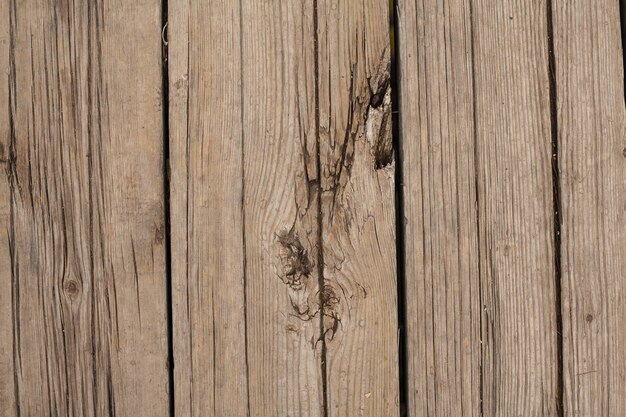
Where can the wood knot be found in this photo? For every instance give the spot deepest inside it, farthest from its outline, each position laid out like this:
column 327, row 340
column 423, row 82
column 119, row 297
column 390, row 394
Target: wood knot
column 71, row 288
column 159, row 234
column 294, row 260
column 624, row 152
column 589, row 318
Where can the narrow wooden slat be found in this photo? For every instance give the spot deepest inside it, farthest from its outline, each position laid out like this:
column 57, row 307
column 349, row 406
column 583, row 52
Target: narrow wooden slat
column 443, row 300
column 83, row 218
column 280, row 207
column 7, row 383
column 516, row 232
column 206, row 209
column 592, row 162
column 358, row 208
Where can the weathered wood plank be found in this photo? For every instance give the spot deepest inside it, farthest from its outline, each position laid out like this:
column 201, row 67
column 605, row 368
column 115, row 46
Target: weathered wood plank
column 592, row 163
column 206, row 209
column 509, row 366
column 280, row 209
column 360, row 345
column 516, row 232
column 7, row 383
column 82, row 216
column 443, row 302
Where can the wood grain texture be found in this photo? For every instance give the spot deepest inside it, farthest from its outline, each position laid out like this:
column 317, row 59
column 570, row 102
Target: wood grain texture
column 592, row 162
column 443, row 302
column 358, row 208
column 481, row 323
column 516, row 232
column 311, row 332
column 281, row 209
column 7, row 362
column 82, row 213
column 206, row 209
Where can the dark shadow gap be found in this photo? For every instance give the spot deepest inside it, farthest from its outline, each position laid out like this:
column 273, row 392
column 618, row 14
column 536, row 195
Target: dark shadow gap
column 556, row 199
column 399, row 202
column 320, row 215
column 166, row 195
column 481, row 382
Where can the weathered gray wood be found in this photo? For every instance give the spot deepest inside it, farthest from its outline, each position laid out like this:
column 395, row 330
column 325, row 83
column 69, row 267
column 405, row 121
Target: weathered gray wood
column 82, row 255
column 443, row 301
column 480, row 69
column 592, row 162
column 358, row 208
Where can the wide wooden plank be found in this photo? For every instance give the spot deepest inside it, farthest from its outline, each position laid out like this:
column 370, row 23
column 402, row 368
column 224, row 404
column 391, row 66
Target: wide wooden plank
column 359, row 308
column 443, row 302
column 481, row 284
column 515, row 208
column 592, row 163
column 280, row 209
column 206, row 209
column 82, row 213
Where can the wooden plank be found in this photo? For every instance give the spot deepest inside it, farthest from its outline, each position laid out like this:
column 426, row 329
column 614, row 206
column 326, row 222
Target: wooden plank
column 7, row 383
column 443, row 303
column 281, row 210
column 509, row 365
column 591, row 149
column 83, row 218
column 360, row 345
column 516, row 232
column 206, row 209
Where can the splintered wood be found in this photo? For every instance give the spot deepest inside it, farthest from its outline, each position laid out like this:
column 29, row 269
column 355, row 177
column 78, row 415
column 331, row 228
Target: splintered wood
column 283, row 231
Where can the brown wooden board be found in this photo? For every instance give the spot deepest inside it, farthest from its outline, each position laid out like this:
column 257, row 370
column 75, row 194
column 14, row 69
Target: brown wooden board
column 82, row 258
column 475, row 106
column 592, row 171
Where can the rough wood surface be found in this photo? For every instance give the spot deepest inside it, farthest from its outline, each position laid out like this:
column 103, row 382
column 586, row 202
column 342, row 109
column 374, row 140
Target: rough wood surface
column 358, row 208
column 83, row 324
column 592, row 162
column 443, row 302
column 515, row 353
column 308, row 332
column 515, row 208
column 206, row 209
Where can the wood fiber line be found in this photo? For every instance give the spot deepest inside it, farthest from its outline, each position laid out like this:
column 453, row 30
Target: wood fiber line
column 82, row 216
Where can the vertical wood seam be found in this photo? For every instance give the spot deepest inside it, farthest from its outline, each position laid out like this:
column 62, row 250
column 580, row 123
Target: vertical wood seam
column 320, row 214
column 477, row 208
column 243, row 210
column 403, row 374
column 165, row 107
column 556, row 201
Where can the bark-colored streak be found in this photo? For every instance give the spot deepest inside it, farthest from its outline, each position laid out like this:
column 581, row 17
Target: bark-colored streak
column 592, row 128
column 81, row 157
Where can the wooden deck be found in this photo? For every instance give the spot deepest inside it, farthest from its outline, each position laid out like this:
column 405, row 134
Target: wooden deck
column 312, row 208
